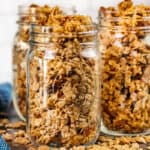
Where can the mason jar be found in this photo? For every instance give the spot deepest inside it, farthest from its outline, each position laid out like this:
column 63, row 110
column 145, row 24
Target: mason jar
column 20, row 49
column 124, row 44
column 63, row 84
column 27, row 14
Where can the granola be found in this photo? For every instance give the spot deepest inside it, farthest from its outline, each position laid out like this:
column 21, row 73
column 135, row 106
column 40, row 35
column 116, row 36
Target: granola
column 16, row 125
column 2, row 131
column 63, row 84
column 27, row 15
column 125, row 49
column 7, row 136
column 3, row 122
column 21, row 141
column 44, row 147
column 103, row 142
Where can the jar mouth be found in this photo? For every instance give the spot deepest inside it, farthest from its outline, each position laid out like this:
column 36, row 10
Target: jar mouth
column 119, row 29
column 82, row 44
column 46, row 36
column 131, row 28
column 48, row 31
column 126, row 17
column 147, row 27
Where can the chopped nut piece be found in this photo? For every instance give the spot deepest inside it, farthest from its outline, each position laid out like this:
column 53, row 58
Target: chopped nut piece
column 20, row 133
column 2, row 132
column 21, row 140
column 16, row 125
column 7, row 136
column 3, row 122
column 44, row 147
column 32, row 148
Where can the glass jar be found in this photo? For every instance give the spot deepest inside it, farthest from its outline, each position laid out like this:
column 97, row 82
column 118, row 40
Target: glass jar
column 20, row 49
column 125, row 87
column 63, row 84
column 27, row 14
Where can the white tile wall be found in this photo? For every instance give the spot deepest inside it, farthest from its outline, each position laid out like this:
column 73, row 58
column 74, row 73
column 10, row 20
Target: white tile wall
column 8, row 11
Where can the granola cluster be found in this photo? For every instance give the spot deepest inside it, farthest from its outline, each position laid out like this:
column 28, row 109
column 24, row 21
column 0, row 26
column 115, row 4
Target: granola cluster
column 27, row 15
column 125, row 48
column 64, row 82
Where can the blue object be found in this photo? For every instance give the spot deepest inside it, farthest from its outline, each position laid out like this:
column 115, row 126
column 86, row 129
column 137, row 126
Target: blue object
column 3, row 145
column 5, row 96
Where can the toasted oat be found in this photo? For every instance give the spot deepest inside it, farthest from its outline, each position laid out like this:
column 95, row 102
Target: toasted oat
column 3, row 122
column 44, row 147
column 78, row 148
column 20, row 133
column 2, row 131
column 16, row 125
column 32, row 148
column 21, row 141
column 7, row 136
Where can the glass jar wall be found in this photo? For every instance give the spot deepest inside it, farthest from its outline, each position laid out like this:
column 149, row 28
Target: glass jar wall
column 20, row 49
column 63, row 83
column 124, row 36
column 27, row 14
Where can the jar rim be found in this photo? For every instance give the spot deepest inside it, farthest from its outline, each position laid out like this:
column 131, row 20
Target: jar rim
column 49, row 29
column 117, row 11
column 33, row 43
column 132, row 29
column 46, row 32
column 126, row 17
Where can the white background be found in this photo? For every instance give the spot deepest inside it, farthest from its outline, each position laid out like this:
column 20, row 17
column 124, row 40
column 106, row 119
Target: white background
column 8, row 17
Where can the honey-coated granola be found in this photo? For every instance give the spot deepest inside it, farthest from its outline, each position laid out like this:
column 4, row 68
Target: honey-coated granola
column 18, row 139
column 64, row 81
column 125, row 48
column 27, row 15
